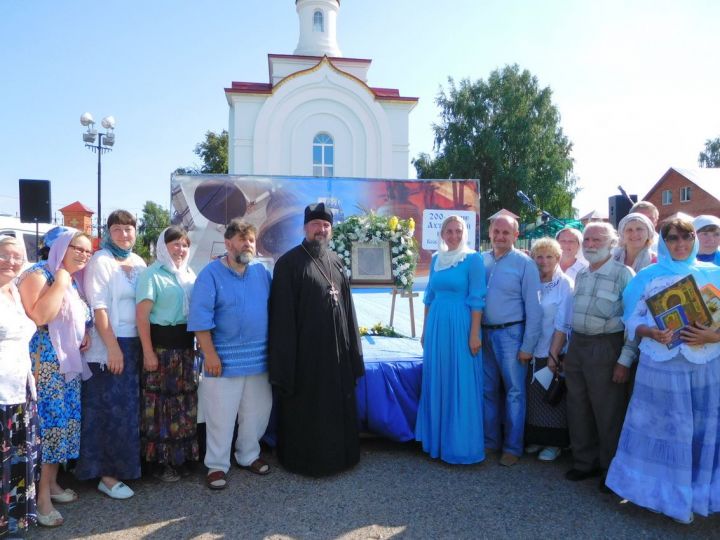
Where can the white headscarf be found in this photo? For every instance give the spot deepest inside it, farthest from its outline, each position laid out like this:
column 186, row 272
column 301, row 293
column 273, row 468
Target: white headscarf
column 184, row 275
column 646, row 255
column 448, row 258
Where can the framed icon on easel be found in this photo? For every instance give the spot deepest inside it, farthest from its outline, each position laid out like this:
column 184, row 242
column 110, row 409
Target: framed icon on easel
column 371, row 264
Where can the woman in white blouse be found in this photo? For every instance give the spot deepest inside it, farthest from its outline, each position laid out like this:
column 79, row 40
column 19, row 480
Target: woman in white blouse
column 546, row 429
column 18, row 401
column 110, row 440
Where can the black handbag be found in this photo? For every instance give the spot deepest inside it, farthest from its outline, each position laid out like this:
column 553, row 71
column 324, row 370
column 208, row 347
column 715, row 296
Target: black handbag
column 556, row 391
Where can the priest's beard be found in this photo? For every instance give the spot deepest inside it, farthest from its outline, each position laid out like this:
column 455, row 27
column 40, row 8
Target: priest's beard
column 244, row 257
column 317, row 247
column 595, row 256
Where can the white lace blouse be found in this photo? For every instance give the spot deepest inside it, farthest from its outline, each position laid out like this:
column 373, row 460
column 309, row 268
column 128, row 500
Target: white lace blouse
column 659, row 352
column 556, row 299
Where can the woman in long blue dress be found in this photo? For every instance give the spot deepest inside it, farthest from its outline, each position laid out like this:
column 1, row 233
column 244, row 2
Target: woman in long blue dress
column 667, row 457
column 449, row 422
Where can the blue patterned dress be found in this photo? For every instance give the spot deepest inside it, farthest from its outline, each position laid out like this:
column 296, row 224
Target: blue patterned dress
column 58, row 399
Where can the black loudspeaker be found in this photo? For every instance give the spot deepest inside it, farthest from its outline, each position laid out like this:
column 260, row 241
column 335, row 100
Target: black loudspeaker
column 619, row 207
column 35, row 201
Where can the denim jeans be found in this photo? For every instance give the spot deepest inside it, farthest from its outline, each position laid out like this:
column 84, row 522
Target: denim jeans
column 504, row 389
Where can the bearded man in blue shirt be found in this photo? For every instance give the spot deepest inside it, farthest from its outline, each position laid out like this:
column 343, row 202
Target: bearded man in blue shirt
column 229, row 315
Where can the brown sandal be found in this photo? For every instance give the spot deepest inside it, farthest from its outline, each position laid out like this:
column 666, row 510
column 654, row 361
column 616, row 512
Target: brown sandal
column 257, row 467
column 216, row 480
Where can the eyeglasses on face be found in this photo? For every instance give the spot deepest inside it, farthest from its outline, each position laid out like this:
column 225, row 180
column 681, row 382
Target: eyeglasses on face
column 81, row 251
column 685, row 236
column 11, row 259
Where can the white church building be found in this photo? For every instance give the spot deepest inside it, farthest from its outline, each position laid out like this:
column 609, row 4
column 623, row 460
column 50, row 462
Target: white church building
column 317, row 115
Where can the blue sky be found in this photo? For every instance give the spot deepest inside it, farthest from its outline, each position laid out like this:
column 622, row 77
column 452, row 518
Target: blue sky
column 636, row 82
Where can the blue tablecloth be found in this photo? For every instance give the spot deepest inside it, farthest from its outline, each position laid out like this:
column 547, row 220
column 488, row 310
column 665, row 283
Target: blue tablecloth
column 388, row 394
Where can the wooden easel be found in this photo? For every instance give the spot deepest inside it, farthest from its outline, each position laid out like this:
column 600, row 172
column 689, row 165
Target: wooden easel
column 394, row 291
column 404, row 293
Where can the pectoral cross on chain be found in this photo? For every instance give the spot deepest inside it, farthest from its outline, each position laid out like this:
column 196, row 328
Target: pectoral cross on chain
column 334, row 294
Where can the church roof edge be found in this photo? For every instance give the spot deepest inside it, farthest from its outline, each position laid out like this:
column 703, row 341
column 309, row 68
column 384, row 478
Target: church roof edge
column 309, row 57
column 381, row 94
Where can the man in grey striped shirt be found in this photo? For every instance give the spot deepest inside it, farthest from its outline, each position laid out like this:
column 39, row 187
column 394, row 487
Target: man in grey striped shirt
column 598, row 361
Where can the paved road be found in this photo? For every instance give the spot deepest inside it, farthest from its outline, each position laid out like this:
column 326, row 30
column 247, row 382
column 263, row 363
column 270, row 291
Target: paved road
column 395, row 492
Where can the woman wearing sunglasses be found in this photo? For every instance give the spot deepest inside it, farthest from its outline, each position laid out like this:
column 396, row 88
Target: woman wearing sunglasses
column 666, row 460
column 51, row 294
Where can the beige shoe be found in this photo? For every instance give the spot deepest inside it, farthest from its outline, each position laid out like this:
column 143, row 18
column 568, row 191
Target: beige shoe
column 508, row 460
column 53, row 519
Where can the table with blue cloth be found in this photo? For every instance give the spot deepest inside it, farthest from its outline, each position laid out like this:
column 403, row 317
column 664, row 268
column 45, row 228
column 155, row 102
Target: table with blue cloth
column 388, row 394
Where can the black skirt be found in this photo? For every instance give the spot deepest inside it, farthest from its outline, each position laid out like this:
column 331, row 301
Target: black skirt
column 545, row 424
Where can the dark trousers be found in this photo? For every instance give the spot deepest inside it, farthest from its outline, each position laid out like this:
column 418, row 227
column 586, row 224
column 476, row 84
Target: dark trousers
column 596, row 406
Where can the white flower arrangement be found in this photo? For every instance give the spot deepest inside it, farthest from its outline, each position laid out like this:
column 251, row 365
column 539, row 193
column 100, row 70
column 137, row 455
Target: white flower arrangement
column 371, row 228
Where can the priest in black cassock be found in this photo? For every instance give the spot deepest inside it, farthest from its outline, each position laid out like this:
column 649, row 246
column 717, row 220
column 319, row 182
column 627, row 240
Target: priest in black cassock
column 315, row 356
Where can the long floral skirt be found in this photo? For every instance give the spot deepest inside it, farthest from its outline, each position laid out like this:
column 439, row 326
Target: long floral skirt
column 58, row 403
column 169, row 404
column 20, row 467
column 667, row 459
column 110, row 441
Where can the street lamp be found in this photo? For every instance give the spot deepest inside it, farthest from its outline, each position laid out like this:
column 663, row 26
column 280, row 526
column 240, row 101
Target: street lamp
column 104, row 143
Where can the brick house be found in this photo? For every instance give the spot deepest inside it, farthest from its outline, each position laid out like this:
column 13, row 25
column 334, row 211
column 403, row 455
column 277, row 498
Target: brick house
column 691, row 191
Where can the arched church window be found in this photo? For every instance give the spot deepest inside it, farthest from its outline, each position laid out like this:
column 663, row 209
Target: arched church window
column 323, row 155
column 318, row 22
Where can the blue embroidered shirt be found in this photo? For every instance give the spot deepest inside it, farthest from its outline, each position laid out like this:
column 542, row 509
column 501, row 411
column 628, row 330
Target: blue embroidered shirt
column 234, row 307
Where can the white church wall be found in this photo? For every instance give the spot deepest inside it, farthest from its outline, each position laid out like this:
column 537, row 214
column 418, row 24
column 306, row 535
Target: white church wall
column 397, row 114
column 296, row 107
column 244, row 110
column 347, row 132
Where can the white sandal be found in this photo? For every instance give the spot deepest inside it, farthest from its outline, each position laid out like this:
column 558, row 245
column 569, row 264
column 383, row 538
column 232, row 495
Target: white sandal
column 53, row 519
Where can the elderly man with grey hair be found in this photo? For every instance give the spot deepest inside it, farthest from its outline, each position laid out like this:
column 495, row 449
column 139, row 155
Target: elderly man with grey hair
column 599, row 358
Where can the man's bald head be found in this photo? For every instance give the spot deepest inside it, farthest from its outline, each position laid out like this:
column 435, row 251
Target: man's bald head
column 505, row 219
column 504, row 230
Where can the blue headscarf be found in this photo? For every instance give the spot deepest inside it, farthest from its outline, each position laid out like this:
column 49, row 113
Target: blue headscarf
column 53, row 234
column 666, row 266
column 118, row 252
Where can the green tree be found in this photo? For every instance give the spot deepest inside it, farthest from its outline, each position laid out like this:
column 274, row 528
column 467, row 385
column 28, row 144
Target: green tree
column 505, row 132
column 154, row 219
column 711, row 156
column 214, row 154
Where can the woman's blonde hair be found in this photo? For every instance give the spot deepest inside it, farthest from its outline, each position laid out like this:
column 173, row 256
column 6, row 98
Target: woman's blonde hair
column 546, row 244
column 7, row 240
column 448, row 220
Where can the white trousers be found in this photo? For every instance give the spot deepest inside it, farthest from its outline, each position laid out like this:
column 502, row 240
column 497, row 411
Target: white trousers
column 224, row 399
